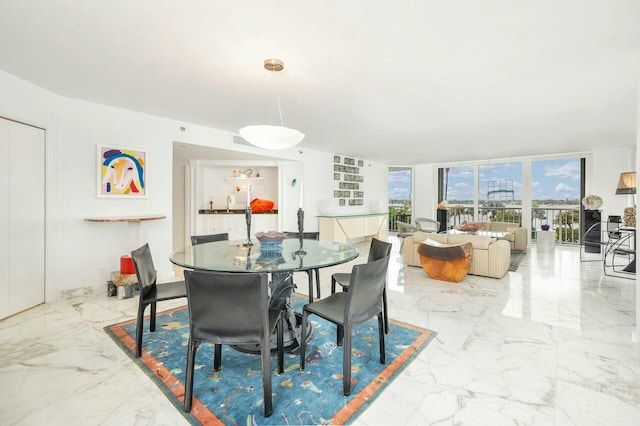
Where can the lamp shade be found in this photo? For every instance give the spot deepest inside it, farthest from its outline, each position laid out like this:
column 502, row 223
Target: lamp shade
column 627, row 183
column 271, row 137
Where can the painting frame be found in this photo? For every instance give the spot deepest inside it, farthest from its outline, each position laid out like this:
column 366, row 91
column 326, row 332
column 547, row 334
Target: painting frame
column 112, row 182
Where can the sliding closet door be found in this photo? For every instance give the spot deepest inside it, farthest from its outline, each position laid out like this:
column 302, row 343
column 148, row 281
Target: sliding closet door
column 22, row 216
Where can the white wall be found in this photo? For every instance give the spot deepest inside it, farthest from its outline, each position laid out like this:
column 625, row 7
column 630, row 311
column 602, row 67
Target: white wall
column 425, row 193
column 607, row 166
column 82, row 254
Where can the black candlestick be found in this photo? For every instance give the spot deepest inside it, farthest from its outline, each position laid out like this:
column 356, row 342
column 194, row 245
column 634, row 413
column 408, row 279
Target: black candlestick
column 248, row 257
column 247, row 215
column 301, row 231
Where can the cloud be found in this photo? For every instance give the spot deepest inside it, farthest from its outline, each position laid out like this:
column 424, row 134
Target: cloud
column 569, row 170
column 563, row 187
column 461, row 172
column 403, row 176
column 399, row 193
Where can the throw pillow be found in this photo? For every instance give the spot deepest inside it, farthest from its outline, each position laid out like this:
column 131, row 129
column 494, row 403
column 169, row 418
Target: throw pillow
column 432, row 242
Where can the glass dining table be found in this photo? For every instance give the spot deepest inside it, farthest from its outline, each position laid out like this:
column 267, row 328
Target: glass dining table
column 236, row 257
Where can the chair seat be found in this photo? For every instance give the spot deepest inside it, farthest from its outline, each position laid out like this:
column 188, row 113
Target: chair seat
column 342, row 278
column 330, row 308
column 167, row 291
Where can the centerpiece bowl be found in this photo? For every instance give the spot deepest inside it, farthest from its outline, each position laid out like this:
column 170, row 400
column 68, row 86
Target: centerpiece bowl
column 271, row 241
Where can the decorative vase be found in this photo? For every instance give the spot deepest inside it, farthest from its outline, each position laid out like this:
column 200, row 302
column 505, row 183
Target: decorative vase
column 629, row 217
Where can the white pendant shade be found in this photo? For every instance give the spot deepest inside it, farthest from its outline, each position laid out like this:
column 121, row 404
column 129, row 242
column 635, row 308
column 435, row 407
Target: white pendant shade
column 271, row 137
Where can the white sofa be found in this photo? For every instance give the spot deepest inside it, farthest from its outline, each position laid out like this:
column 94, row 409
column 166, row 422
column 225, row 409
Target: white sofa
column 491, row 257
column 519, row 237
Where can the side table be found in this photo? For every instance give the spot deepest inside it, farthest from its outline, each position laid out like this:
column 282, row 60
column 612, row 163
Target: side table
column 546, row 241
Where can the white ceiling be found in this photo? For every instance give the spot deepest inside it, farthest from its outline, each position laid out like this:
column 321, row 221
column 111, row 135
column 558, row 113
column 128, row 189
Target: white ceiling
column 400, row 82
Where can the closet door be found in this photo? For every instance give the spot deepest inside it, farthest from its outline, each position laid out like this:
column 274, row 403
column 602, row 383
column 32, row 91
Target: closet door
column 22, row 216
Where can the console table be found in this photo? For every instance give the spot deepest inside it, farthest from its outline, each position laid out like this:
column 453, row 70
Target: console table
column 348, row 227
column 125, row 279
column 134, row 225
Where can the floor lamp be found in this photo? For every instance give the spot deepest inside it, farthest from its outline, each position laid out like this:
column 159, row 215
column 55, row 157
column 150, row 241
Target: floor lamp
column 627, row 186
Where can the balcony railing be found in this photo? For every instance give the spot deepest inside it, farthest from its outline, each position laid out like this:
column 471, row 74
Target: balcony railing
column 564, row 221
column 398, row 214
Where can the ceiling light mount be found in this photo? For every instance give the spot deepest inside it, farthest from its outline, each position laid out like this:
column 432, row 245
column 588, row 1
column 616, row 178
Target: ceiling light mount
column 273, row 64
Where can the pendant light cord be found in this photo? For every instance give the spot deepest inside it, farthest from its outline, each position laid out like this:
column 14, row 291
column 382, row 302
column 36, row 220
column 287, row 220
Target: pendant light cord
column 280, row 110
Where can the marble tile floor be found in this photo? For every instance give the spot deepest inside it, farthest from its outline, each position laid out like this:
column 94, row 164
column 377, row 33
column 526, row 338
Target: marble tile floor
column 550, row 344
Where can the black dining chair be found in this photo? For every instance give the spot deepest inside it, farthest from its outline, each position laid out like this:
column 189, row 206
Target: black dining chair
column 348, row 309
column 231, row 309
column 150, row 291
column 377, row 250
column 201, row 239
column 310, row 272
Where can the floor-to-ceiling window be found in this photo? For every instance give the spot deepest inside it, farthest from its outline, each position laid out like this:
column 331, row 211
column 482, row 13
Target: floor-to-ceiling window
column 400, row 184
column 530, row 192
column 458, row 188
column 556, row 188
column 500, row 192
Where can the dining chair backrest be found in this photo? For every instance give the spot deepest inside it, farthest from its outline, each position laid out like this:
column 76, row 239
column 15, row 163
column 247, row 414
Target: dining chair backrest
column 201, row 239
column 367, row 283
column 227, row 308
column 145, row 271
column 378, row 249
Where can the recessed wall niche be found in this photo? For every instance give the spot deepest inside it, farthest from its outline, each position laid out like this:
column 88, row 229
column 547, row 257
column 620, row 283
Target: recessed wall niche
column 347, row 172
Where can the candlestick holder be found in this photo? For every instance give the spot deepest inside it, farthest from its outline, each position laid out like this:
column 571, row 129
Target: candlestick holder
column 247, row 216
column 301, row 251
column 248, row 257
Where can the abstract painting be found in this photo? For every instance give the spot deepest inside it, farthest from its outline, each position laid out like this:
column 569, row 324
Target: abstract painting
column 122, row 172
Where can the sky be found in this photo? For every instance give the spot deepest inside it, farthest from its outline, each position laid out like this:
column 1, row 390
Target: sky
column 550, row 180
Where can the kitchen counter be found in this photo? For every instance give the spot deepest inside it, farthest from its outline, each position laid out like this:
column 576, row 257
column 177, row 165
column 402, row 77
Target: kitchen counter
column 233, row 211
column 234, row 223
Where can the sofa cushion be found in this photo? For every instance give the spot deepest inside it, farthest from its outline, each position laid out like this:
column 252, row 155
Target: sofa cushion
column 480, row 242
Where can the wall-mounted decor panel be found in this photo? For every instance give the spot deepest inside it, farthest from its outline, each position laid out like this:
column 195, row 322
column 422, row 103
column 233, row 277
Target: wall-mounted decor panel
column 347, row 172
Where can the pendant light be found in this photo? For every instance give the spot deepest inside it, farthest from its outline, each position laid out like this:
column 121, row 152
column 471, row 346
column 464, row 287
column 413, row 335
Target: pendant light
column 268, row 136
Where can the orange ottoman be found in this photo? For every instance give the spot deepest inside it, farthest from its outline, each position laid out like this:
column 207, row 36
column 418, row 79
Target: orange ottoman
column 445, row 262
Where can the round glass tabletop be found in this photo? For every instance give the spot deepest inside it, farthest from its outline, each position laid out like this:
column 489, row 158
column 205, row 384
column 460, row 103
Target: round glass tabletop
column 233, row 256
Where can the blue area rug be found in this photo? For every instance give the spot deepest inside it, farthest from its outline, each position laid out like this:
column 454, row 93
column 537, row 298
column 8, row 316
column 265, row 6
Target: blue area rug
column 233, row 395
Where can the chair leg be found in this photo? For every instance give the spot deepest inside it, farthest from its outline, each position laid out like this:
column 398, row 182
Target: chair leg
column 310, row 277
column 217, row 357
column 152, row 317
column 318, row 283
column 280, row 344
column 188, row 386
column 303, row 339
column 339, row 334
column 346, row 364
column 139, row 326
column 384, row 308
column 383, row 354
column 265, row 355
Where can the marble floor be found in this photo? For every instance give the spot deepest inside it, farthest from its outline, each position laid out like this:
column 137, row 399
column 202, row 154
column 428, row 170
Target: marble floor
column 550, row 344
